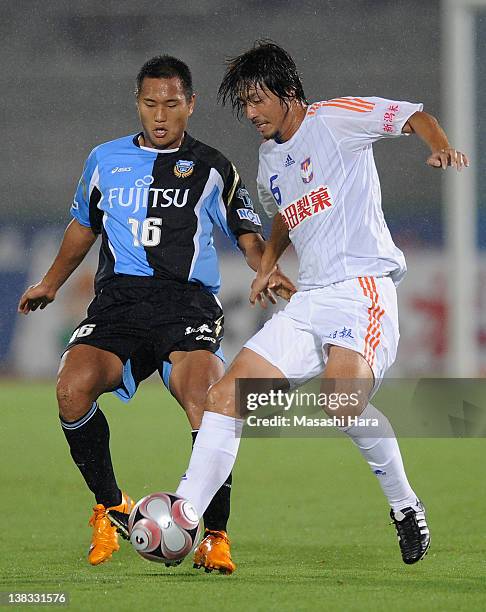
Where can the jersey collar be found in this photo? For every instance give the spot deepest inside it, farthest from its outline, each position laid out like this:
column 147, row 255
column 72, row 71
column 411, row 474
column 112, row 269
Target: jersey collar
column 136, row 142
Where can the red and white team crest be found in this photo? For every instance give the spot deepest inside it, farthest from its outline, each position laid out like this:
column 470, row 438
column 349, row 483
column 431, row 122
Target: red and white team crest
column 306, row 170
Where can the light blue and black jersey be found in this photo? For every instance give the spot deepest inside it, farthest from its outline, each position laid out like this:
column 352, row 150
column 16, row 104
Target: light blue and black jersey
column 156, row 210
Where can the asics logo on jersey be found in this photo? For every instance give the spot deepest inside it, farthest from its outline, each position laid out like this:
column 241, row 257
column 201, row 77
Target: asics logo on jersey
column 117, row 169
column 312, row 203
column 289, row 161
column 144, row 196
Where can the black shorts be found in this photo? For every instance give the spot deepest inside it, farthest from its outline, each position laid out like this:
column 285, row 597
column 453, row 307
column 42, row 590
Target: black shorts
column 142, row 322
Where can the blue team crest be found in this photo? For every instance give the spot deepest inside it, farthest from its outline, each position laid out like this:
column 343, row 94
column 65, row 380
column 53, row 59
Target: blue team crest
column 183, row 168
column 306, row 170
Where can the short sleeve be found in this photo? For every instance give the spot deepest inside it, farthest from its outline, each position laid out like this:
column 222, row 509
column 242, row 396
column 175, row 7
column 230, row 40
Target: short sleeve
column 269, row 194
column 358, row 122
column 88, row 194
column 266, row 200
column 235, row 214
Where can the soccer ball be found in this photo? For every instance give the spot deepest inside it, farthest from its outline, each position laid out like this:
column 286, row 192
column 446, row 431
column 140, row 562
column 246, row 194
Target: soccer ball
column 164, row 527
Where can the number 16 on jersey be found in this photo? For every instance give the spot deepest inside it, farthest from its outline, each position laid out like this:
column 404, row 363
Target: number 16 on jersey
column 146, row 233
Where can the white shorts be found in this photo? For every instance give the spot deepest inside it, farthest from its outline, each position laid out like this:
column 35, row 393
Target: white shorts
column 360, row 314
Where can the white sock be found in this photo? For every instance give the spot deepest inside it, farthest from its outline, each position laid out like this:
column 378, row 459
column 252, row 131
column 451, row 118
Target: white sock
column 212, row 459
column 379, row 447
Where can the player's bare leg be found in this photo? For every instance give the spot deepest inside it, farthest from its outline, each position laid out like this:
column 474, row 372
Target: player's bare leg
column 85, row 373
column 204, row 369
column 348, row 372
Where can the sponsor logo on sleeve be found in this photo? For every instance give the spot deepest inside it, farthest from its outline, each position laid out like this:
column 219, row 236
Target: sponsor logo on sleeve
column 389, row 118
column 248, row 215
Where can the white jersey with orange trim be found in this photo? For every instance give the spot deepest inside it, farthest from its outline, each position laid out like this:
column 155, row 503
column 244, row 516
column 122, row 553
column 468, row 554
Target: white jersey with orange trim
column 324, row 183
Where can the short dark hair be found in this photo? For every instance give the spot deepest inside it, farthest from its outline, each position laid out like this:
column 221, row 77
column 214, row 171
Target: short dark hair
column 166, row 67
column 265, row 65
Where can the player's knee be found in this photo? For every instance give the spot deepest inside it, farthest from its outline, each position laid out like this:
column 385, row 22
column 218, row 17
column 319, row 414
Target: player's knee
column 345, row 397
column 221, row 397
column 194, row 408
column 75, row 394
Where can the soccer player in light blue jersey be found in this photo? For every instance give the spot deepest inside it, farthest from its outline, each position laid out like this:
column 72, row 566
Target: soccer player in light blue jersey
column 154, row 199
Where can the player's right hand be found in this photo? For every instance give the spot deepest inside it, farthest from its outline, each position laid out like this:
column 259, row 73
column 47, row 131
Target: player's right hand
column 259, row 289
column 36, row 296
column 448, row 157
column 265, row 286
column 281, row 284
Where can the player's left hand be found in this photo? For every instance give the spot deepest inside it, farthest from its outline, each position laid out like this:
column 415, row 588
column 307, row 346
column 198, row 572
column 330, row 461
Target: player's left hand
column 448, row 157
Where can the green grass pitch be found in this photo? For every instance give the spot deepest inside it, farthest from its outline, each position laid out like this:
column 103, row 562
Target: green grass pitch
column 309, row 525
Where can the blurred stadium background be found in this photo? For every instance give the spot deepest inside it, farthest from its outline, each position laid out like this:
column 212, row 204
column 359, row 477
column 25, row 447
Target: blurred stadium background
column 68, row 78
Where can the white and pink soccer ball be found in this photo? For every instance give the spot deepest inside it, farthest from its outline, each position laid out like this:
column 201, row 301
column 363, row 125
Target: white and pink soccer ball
column 164, row 527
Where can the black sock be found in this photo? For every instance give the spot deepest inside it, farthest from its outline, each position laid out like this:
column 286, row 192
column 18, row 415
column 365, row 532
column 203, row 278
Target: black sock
column 89, row 442
column 217, row 513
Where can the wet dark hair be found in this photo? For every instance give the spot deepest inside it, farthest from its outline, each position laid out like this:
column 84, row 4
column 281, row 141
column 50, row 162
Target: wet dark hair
column 166, row 67
column 265, row 65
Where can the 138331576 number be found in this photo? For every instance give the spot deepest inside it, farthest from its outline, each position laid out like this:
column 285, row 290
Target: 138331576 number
column 36, row 598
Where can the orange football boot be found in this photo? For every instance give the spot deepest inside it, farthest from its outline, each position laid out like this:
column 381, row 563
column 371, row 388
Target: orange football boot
column 105, row 538
column 214, row 553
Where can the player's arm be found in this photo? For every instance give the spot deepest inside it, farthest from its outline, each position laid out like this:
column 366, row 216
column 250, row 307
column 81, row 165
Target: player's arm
column 428, row 129
column 274, row 248
column 359, row 122
column 243, row 226
column 253, row 247
column 76, row 243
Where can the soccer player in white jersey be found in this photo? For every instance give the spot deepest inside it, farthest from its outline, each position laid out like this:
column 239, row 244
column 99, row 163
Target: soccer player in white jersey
column 317, row 172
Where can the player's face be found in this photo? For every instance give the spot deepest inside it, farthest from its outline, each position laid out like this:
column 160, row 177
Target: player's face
column 164, row 112
column 271, row 117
